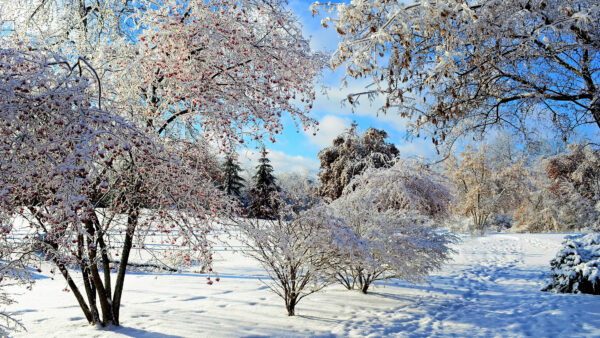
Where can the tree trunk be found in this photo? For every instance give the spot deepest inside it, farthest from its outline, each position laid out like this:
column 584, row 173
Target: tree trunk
column 103, row 297
column 290, row 305
column 91, row 318
column 132, row 219
column 365, row 287
column 87, row 284
column 595, row 108
column 104, row 255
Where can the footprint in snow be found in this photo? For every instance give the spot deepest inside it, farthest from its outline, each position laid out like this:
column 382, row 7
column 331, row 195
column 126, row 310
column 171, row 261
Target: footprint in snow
column 194, row 298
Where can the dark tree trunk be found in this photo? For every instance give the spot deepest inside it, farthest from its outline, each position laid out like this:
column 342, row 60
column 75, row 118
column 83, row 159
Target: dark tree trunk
column 595, row 108
column 87, row 283
column 290, row 305
column 365, row 287
column 103, row 297
column 132, row 220
column 86, row 310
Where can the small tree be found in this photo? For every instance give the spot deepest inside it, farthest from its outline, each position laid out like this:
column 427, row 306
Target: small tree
column 232, row 182
column 349, row 155
column 264, row 200
column 483, row 187
column 393, row 211
column 298, row 190
column 298, row 249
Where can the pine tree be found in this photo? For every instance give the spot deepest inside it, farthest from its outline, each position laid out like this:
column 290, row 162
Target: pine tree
column 232, row 181
column 264, row 201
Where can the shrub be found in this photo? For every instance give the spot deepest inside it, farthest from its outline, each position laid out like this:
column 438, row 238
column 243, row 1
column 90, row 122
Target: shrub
column 575, row 269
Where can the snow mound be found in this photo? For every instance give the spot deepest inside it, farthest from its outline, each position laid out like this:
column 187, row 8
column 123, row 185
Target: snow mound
column 575, row 269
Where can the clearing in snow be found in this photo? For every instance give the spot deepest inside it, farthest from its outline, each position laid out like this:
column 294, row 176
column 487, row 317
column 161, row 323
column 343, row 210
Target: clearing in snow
column 490, row 288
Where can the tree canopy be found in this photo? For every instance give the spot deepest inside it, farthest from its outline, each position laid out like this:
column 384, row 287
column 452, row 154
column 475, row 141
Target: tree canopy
column 349, row 155
column 455, row 66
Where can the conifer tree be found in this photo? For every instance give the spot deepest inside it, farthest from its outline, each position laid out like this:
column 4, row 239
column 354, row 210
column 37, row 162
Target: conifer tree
column 232, row 181
column 349, row 155
column 264, row 200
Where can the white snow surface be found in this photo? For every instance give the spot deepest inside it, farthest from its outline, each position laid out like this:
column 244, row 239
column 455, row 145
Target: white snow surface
column 491, row 288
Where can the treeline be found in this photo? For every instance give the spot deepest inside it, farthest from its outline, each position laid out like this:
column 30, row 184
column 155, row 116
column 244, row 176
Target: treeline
column 502, row 185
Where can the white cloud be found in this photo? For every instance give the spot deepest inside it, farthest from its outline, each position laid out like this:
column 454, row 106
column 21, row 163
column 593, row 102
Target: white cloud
column 330, row 126
column 416, row 147
column 281, row 162
column 335, row 102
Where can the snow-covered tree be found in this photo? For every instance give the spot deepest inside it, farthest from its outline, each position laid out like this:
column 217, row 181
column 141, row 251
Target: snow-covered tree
column 394, row 211
column 228, row 68
column 232, row 182
column 567, row 193
column 579, row 166
column 455, row 66
column 349, row 155
column 264, row 198
column 485, row 187
column 298, row 190
column 62, row 156
column 298, row 249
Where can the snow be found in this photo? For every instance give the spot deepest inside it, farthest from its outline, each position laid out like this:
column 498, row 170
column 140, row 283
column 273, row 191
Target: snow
column 491, row 288
column 575, row 267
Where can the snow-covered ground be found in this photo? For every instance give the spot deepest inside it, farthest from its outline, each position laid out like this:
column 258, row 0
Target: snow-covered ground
column 491, row 288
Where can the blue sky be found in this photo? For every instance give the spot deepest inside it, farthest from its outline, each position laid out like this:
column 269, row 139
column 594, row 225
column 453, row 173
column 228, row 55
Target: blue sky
column 296, row 150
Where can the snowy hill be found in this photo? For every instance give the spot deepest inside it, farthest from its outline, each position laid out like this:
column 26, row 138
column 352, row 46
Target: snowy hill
column 491, row 288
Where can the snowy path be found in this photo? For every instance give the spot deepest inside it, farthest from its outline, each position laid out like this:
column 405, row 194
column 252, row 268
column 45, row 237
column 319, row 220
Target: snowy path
column 490, row 289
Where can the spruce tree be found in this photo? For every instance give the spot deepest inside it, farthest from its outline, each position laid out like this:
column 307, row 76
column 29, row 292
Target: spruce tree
column 264, row 200
column 232, row 181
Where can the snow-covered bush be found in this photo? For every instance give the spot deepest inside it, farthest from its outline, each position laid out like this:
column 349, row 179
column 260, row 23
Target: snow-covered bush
column 576, row 267
column 499, row 222
column 297, row 250
column 393, row 211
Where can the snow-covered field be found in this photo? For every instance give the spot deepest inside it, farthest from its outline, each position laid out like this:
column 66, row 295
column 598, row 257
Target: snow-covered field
column 491, row 288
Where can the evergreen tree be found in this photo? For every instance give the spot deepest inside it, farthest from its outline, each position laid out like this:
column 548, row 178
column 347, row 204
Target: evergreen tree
column 232, row 181
column 264, row 200
column 349, row 155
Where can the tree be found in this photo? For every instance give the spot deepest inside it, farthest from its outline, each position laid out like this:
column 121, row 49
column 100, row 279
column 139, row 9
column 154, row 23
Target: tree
column 349, row 155
column 297, row 190
column 393, row 212
column 232, row 181
column 566, row 195
column 186, row 71
column 264, row 199
column 297, row 249
column 62, row 155
column 229, row 69
column 457, row 66
column 579, row 166
column 485, row 187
